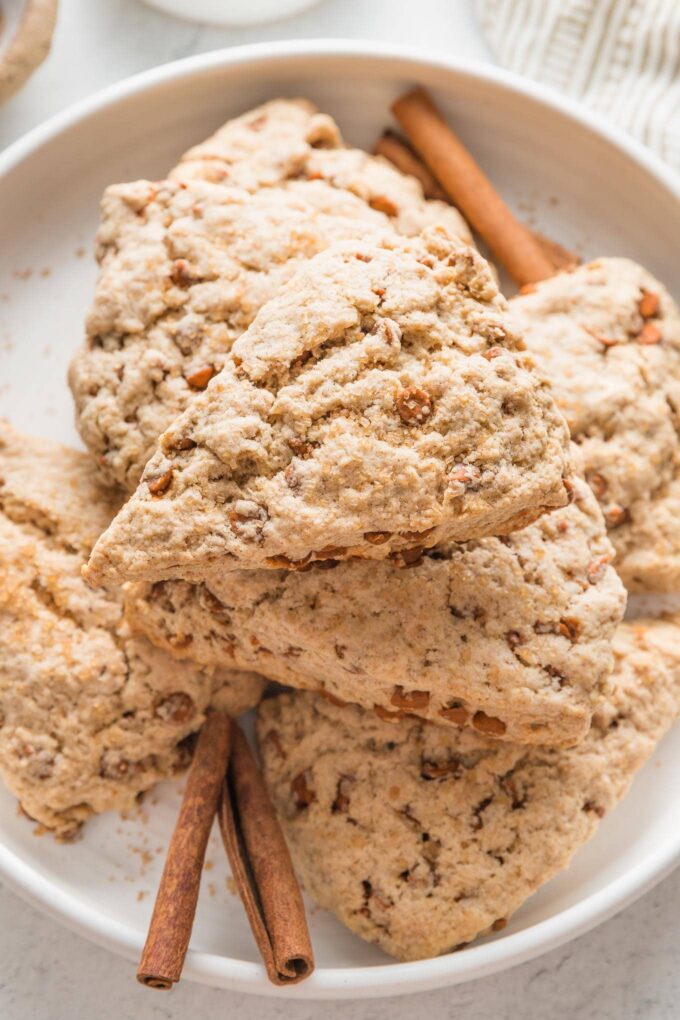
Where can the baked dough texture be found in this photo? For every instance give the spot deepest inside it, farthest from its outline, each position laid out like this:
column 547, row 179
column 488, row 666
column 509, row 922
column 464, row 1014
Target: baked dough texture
column 184, row 269
column 608, row 335
column 90, row 716
column 379, row 403
column 185, row 265
column 289, row 139
column 510, row 636
column 420, row 839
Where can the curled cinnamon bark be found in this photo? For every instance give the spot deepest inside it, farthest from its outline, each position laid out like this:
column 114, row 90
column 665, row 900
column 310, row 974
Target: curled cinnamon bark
column 391, row 146
column 394, row 148
column 263, row 871
column 173, row 916
column 470, row 189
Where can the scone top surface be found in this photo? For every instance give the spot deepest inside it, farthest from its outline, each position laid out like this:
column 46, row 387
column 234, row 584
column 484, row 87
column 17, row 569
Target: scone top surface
column 420, row 839
column 608, row 336
column 290, row 139
column 184, row 268
column 261, row 147
column 380, row 403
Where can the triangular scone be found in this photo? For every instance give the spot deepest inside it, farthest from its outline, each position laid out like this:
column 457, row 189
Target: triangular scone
column 419, row 839
column 186, row 264
column 608, row 336
column 380, row 403
column 90, row 716
column 510, row 636
column 289, row 139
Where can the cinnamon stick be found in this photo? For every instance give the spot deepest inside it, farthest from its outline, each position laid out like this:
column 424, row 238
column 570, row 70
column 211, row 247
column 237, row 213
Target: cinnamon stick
column 173, row 915
column 399, row 152
column 391, row 146
column 561, row 258
column 262, row 868
column 470, row 189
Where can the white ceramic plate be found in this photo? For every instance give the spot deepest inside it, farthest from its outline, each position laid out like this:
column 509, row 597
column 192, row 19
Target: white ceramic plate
column 581, row 182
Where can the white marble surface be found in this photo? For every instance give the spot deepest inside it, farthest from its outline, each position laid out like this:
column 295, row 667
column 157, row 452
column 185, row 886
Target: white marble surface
column 625, row 970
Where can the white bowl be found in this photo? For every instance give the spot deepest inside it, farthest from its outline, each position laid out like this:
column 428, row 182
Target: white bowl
column 582, row 183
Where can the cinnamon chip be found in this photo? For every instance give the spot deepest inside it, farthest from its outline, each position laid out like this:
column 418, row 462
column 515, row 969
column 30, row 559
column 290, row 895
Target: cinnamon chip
column 648, row 305
column 384, row 205
column 415, row 536
column 176, row 708
column 159, row 484
column 488, row 724
column 597, row 569
column 569, row 627
column 438, row 770
column 386, row 715
column 590, row 807
column 456, row 714
column 410, row 557
column 181, row 443
column 615, row 515
column 284, row 563
column 304, row 794
column 410, row 700
column 606, row 341
column 181, row 273
column 493, row 352
column 649, row 334
column 330, row 552
column 199, row 379
column 377, row 537
column 414, row 405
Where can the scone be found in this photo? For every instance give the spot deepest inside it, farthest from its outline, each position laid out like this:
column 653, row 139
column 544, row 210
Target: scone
column 379, row 404
column 289, row 139
column 186, row 264
column 510, row 636
column 90, row 716
column 608, row 335
column 419, row 839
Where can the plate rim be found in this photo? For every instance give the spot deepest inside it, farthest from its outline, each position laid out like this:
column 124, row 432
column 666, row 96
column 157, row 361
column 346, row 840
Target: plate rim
column 389, row 978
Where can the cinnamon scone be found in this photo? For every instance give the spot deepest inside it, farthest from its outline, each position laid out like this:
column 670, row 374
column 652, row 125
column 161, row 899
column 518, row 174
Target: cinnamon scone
column 290, row 139
column 420, row 839
column 186, row 264
column 608, row 335
column 90, row 715
column 379, row 404
column 510, row 636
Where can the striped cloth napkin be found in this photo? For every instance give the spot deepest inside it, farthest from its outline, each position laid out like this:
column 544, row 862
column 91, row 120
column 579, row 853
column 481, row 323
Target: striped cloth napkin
column 620, row 57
